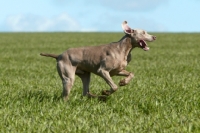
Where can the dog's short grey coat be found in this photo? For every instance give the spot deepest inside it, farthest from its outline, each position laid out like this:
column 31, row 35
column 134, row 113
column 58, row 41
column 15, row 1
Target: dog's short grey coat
column 104, row 60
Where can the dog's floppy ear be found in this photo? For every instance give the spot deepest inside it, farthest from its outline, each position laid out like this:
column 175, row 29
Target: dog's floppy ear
column 126, row 28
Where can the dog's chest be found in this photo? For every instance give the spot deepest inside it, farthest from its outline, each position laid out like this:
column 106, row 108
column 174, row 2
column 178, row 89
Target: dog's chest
column 118, row 67
column 122, row 61
column 123, row 64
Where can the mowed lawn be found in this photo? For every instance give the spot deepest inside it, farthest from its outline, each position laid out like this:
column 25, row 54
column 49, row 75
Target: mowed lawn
column 164, row 96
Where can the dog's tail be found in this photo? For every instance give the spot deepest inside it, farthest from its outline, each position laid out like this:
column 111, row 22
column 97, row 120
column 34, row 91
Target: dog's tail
column 50, row 55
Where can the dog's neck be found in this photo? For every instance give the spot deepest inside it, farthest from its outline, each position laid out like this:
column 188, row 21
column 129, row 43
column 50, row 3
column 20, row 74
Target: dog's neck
column 126, row 42
column 126, row 46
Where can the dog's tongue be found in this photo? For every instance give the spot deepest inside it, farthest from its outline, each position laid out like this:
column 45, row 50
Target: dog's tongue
column 143, row 45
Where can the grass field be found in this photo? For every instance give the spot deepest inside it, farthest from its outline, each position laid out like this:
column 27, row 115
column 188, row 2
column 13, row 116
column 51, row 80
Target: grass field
column 164, row 96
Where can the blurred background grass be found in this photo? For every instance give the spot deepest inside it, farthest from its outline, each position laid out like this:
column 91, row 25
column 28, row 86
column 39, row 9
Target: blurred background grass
column 163, row 96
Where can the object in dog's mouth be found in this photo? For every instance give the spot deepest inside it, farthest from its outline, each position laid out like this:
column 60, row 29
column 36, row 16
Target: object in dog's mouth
column 143, row 44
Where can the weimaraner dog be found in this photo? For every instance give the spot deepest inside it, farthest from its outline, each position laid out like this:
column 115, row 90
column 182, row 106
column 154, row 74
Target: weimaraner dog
column 105, row 61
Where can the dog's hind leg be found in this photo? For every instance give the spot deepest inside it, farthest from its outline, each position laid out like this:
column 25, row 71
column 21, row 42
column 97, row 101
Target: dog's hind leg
column 67, row 75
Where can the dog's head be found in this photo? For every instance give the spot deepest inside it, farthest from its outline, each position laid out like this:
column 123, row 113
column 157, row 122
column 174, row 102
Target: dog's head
column 139, row 37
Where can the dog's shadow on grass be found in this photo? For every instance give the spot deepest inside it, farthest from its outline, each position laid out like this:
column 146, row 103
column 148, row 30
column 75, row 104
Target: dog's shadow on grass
column 43, row 96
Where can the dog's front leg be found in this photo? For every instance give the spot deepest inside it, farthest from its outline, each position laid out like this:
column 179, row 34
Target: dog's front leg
column 85, row 77
column 106, row 76
column 126, row 80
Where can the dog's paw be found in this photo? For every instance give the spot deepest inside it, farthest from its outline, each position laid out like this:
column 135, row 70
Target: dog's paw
column 122, row 82
column 106, row 92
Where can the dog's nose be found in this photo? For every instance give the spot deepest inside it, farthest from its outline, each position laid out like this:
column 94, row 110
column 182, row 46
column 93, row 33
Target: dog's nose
column 154, row 37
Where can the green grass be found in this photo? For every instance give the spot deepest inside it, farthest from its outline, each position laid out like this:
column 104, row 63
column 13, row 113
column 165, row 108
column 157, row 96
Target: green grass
column 164, row 96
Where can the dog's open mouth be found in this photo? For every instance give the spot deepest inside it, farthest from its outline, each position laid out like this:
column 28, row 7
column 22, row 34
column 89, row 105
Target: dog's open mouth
column 143, row 45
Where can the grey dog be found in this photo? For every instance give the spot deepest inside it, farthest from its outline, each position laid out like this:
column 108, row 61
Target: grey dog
column 104, row 60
